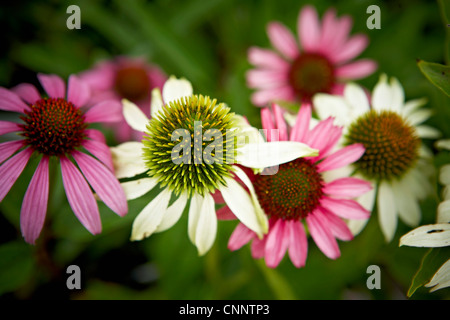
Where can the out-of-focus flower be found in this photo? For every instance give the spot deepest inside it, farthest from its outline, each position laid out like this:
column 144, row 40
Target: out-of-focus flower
column 124, row 78
column 57, row 126
column 395, row 160
column 321, row 63
column 184, row 131
column 299, row 194
column 438, row 234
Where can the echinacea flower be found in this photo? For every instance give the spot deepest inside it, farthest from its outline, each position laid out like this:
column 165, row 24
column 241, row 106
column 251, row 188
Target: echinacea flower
column 320, row 62
column 436, row 235
column 189, row 151
column 299, row 194
column 395, row 160
column 57, row 126
column 124, row 78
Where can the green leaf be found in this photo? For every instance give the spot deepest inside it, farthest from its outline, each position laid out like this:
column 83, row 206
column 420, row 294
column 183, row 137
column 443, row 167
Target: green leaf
column 437, row 74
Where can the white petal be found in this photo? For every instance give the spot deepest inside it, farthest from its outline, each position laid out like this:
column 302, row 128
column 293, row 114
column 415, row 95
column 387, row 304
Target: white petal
column 412, row 105
column 444, row 174
column 441, row 279
column 446, row 192
column 387, row 211
column 137, row 188
column 357, row 99
column 134, row 116
column 431, row 235
column 367, row 200
column 408, row 207
column 382, row 95
column 262, row 155
column 443, row 144
column 427, row 132
column 397, row 95
column 175, row 89
column 156, row 103
column 127, row 159
column 327, row 105
column 150, row 217
column 202, row 222
column 173, row 213
column 241, row 204
column 419, row 116
column 443, row 215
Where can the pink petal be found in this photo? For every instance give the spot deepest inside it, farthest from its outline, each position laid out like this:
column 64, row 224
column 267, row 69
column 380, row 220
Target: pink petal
column 105, row 111
column 101, row 77
column 264, row 97
column 335, row 134
column 262, row 79
column 276, row 244
column 339, row 32
column 328, row 31
column 322, row 236
column 342, row 157
column 348, row 187
column 356, row 70
column 218, row 198
column 267, row 122
column 27, row 92
column 308, row 28
column 101, row 151
column 280, row 122
column 347, row 209
column 34, row 205
column 225, row 213
column 103, row 182
column 283, row 40
column 7, row 149
column 298, row 243
column 351, row 49
column 53, row 85
column 95, row 134
column 8, row 127
column 337, row 226
column 11, row 169
column 318, row 137
column 266, row 59
column 258, row 247
column 9, row 101
column 240, row 237
column 300, row 130
column 80, row 197
column 78, row 91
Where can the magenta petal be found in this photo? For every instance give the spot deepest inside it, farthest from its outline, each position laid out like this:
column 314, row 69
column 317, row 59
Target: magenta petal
column 267, row 123
column 101, row 151
column 319, row 136
column 348, row 187
column 95, row 134
column 218, row 198
column 103, row 182
column 276, row 244
column 27, row 92
column 225, row 213
column 356, row 70
column 240, row 236
column 266, row 59
column 264, row 97
column 8, row 127
column 53, row 85
column 322, row 236
column 266, row 79
column 283, row 40
column 10, row 101
column 300, row 130
column 105, row 111
column 328, row 31
column 341, row 28
column 342, row 157
column 280, row 122
column 308, row 28
column 258, row 247
column 347, row 209
column 80, row 197
column 11, row 169
column 7, row 149
column 351, row 49
column 78, row 92
column 337, row 226
column 298, row 243
column 34, row 205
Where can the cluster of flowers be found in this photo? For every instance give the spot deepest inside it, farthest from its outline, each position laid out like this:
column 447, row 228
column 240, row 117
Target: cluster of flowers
column 329, row 152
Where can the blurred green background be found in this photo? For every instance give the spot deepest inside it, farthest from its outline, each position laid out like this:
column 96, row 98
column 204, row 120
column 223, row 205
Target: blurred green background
column 206, row 42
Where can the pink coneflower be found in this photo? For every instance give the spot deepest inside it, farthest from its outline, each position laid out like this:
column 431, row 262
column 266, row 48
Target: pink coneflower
column 57, row 126
column 298, row 194
column 124, row 78
column 321, row 63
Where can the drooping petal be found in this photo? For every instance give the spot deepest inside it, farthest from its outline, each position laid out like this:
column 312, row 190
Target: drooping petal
column 104, row 111
column 443, row 212
column 53, row 85
column 262, row 155
column 337, row 226
column 298, row 243
column 322, row 236
column 308, row 29
column 127, row 159
column 134, row 116
column 202, row 222
column 8, row 127
column 225, row 213
column 101, row 151
column 7, row 149
column 347, row 209
column 27, row 92
column 431, row 235
column 34, row 205
column 441, row 278
column 348, row 187
column 276, row 244
column 283, row 40
column 11, row 169
column 173, row 213
column 80, row 197
column 240, row 236
column 387, row 210
column 342, row 157
column 408, row 207
column 9, row 101
column 136, row 188
column 78, row 92
column 103, row 182
column 175, row 89
column 151, row 216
